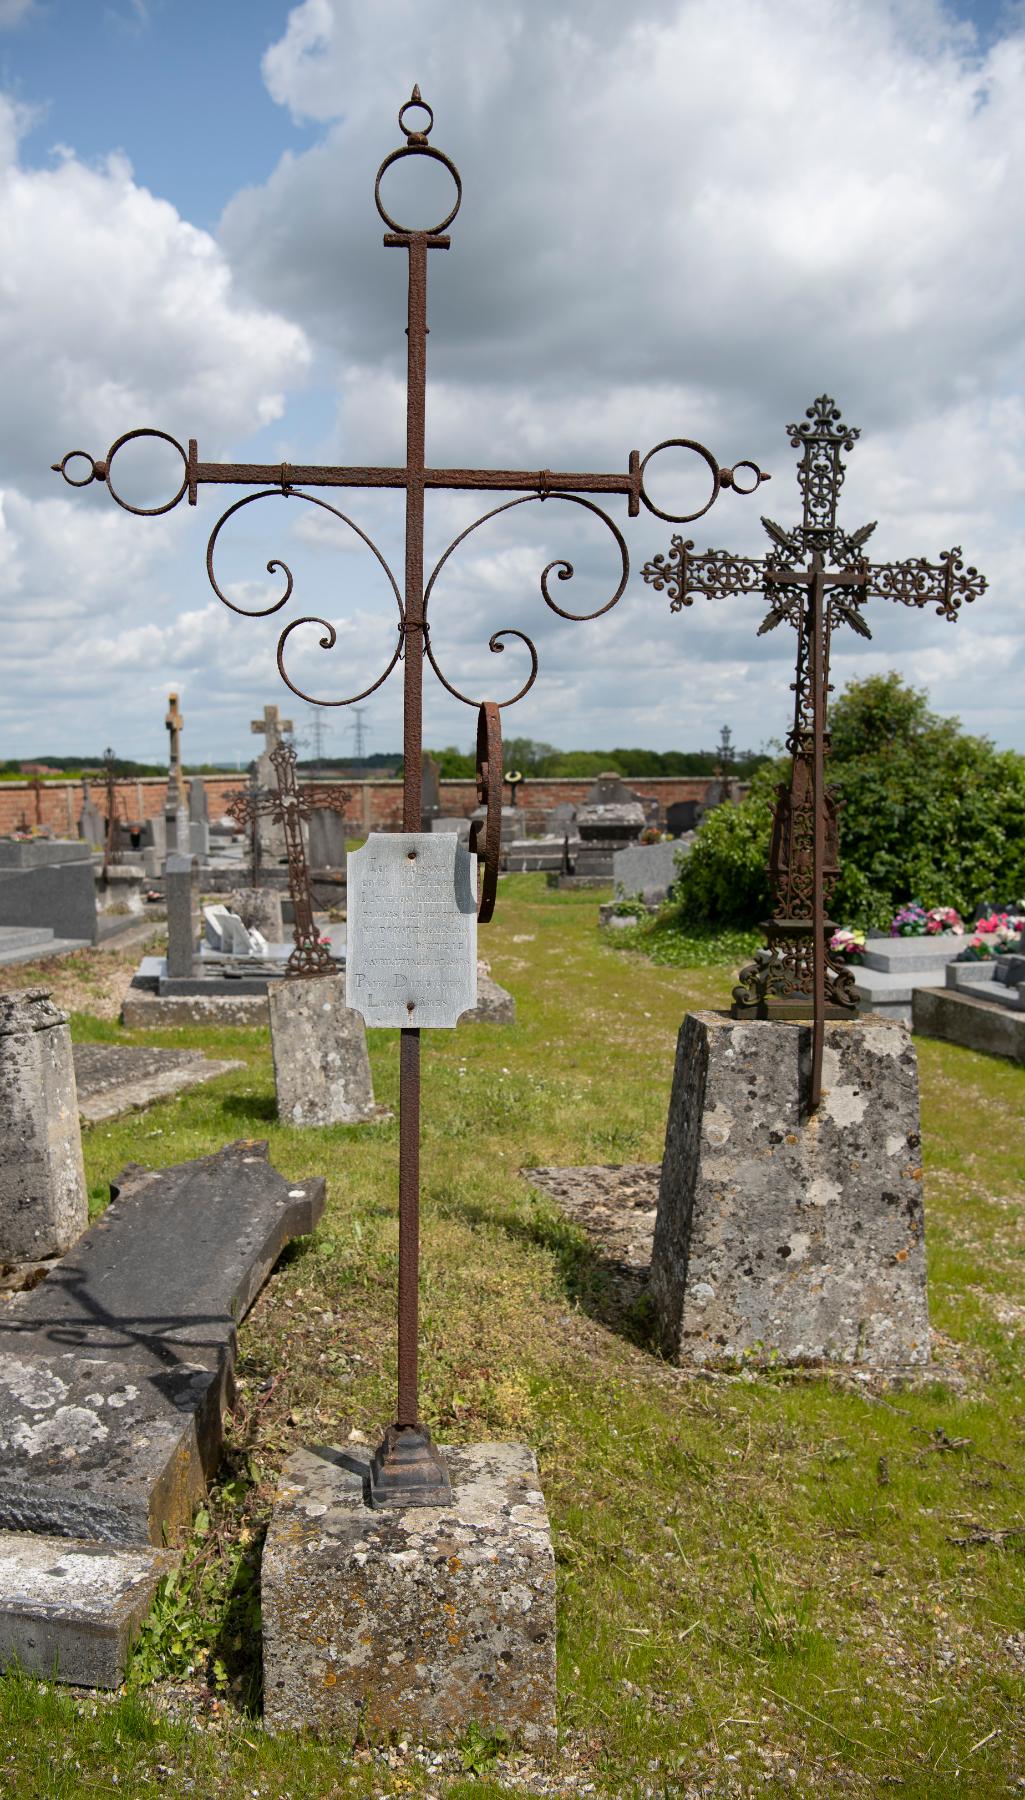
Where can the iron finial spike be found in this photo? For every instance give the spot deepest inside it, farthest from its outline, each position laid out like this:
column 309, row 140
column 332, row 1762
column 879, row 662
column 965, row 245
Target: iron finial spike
column 414, row 98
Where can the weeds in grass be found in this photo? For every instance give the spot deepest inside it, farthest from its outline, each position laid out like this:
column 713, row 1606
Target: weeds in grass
column 480, row 1748
column 781, row 1625
column 205, row 1618
column 673, row 942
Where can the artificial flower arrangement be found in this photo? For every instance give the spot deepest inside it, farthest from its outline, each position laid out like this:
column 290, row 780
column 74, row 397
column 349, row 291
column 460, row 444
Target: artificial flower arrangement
column 848, row 943
column 913, row 920
column 994, row 935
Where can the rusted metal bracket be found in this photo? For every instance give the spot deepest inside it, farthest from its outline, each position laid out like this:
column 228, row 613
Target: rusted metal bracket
column 489, row 795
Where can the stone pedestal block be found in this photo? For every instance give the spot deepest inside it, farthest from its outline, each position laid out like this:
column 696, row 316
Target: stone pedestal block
column 180, row 892
column 419, row 1622
column 321, row 1066
column 43, row 1196
column 786, row 1238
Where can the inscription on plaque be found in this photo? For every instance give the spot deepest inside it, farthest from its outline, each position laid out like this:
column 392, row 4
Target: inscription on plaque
column 411, row 940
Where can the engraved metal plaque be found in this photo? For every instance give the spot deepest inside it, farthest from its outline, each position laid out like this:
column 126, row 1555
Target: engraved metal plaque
column 411, row 944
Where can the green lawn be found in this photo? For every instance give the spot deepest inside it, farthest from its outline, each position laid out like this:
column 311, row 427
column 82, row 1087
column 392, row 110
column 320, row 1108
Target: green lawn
column 767, row 1585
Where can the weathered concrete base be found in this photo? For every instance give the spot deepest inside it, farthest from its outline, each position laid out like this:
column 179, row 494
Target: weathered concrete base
column 141, row 1011
column 321, row 1067
column 117, row 1078
column 419, row 1622
column 977, row 1024
column 74, row 1605
column 785, row 1238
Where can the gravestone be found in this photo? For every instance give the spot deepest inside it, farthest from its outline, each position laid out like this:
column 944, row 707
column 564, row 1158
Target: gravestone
column 91, row 827
column 44, row 1204
column 260, row 910
column 272, row 728
column 199, row 839
column 199, row 811
column 430, row 793
column 154, row 835
column 645, row 869
column 180, row 893
column 49, row 882
column 411, row 951
column 611, row 817
column 226, row 934
column 328, row 832
column 682, row 816
column 781, row 1238
column 321, row 1067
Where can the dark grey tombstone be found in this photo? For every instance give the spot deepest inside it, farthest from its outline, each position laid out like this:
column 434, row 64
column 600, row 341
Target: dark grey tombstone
column 430, row 792
column 199, row 811
column 182, row 915
column 154, row 835
column 683, row 815
column 49, row 882
column 610, row 790
column 91, row 826
column 327, row 835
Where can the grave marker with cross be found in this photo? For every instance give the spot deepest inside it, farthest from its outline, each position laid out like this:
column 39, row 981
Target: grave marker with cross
column 796, row 976
column 407, row 1469
column 289, row 807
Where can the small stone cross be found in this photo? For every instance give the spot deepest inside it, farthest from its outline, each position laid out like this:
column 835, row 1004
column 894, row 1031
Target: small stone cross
column 272, row 726
column 174, row 723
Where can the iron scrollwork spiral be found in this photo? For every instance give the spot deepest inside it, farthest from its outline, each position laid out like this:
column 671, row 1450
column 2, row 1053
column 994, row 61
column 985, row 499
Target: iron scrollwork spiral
column 489, row 795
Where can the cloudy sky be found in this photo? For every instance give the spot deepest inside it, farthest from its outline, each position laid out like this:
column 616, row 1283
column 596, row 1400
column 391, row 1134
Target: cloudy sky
column 681, row 218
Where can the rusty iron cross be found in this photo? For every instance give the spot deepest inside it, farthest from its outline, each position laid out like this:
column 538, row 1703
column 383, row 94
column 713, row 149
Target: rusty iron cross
column 408, row 1469
column 796, row 975
column 290, row 808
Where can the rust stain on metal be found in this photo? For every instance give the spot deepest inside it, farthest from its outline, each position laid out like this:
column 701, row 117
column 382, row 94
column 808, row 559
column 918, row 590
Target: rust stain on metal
column 796, row 975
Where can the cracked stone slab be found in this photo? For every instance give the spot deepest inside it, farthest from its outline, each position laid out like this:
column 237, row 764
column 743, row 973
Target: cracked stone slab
column 418, row 1621
column 117, row 1078
column 782, row 1237
column 118, row 1364
column 614, row 1203
column 74, row 1605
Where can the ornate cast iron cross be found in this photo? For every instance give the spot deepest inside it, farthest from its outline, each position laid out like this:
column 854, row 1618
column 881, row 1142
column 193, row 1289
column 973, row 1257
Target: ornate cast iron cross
column 408, row 1469
column 796, row 976
column 289, row 808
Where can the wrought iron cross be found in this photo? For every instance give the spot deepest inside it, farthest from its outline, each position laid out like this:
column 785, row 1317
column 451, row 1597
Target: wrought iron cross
column 796, row 976
column 408, row 1469
column 290, row 807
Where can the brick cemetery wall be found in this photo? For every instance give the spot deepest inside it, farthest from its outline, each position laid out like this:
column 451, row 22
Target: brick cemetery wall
column 374, row 804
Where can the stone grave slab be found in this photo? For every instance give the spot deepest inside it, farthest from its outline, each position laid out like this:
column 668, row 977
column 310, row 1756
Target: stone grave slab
column 107, row 1448
column 414, row 1622
column 75, row 1604
column 155, row 1290
column 117, row 1078
column 614, row 1203
column 645, row 869
column 494, row 1006
column 976, row 1024
column 411, row 955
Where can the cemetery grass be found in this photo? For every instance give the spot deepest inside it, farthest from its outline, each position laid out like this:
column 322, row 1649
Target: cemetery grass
column 773, row 1584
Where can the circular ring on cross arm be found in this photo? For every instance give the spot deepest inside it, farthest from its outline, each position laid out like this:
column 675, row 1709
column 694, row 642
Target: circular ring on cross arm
column 147, row 431
column 61, row 468
column 756, row 473
column 435, row 156
column 699, row 450
column 416, row 105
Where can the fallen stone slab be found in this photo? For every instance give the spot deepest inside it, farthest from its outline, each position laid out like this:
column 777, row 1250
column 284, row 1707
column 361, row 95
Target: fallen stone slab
column 117, row 1078
column 495, row 1005
column 614, row 1203
column 414, row 1621
column 74, row 1606
column 117, row 1366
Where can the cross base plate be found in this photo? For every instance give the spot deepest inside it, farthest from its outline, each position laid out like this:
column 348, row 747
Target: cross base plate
column 407, row 1469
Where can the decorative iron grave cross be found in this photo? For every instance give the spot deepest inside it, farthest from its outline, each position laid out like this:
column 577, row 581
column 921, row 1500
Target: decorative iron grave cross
column 797, row 976
column 289, row 808
column 407, row 1469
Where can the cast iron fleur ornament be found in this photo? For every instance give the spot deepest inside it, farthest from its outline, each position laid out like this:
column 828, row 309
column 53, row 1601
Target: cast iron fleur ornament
column 407, row 1469
column 796, row 976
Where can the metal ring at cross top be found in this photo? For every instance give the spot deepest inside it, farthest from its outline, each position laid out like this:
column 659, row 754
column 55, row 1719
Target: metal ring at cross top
column 416, row 145
column 144, row 431
column 681, row 443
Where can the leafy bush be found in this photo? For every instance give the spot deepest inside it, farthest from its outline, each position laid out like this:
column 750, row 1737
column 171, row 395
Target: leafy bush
column 928, row 813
